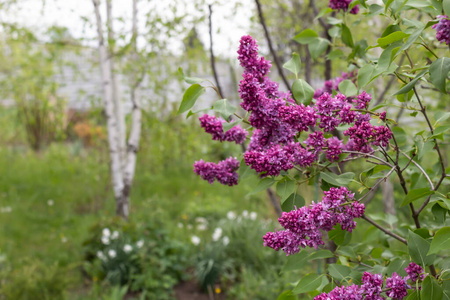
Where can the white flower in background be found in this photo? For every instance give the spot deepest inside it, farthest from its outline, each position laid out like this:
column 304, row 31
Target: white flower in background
column 253, row 215
column 245, row 213
column 127, row 248
column 202, row 227
column 231, row 215
column 106, row 232
column 105, row 240
column 217, row 234
column 101, row 255
column 195, row 240
column 115, row 235
column 6, row 209
column 50, row 202
column 201, row 220
column 140, row 243
column 189, row 226
column 112, row 253
column 226, row 240
column 63, row 239
column 180, row 225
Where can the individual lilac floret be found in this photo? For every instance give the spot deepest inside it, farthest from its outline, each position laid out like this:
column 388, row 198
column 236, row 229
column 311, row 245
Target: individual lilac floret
column 372, row 285
column 397, row 287
column 300, row 117
column 303, row 226
column 224, row 171
column 206, row 170
column 334, row 148
column 362, row 101
column 442, row 29
column 272, row 161
column 343, row 5
column 352, row 292
column 414, row 271
column 214, row 126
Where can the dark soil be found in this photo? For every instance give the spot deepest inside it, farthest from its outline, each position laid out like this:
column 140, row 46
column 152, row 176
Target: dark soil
column 189, row 290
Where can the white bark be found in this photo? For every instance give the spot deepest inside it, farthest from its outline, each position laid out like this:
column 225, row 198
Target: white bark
column 136, row 114
column 122, row 158
column 112, row 125
column 118, row 107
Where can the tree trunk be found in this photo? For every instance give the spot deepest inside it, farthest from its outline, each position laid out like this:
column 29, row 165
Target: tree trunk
column 118, row 107
column 135, row 131
column 111, row 120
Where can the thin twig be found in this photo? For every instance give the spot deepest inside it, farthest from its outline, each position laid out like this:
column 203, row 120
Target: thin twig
column 419, row 167
column 376, row 184
column 211, row 50
column 369, row 155
column 388, row 232
column 272, row 50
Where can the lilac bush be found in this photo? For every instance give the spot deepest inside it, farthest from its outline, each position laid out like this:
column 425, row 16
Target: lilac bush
column 308, row 136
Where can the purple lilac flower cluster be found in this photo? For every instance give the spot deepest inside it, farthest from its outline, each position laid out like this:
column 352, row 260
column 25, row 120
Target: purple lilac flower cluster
column 303, row 227
column 372, row 286
column 343, row 5
column 442, row 29
column 277, row 121
column 224, row 171
column 213, row 126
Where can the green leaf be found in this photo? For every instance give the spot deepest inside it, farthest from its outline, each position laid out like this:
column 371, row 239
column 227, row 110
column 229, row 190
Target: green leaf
column 418, row 249
column 411, row 84
column 306, row 36
column 285, row 187
column 303, row 92
column 228, row 125
column 339, row 272
column 412, row 38
column 338, row 180
column 296, row 261
column 391, row 38
column 225, row 108
column 446, row 7
column 334, row 21
column 190, row 80
column 287, row 295
column 439, row 130
column 317, row 47
column 365, row 75
column 320, row 254
column 439, row 72
column 347, row 36
column 244, row 170
column 439, row 213
column 308, row 283
column 431, row 290
column 293, row 64
column 441, row 240
column 416, row 194
column 190, row 97
column 293, row 201
column 264, row 184
column 339, row 236
column 347, row 88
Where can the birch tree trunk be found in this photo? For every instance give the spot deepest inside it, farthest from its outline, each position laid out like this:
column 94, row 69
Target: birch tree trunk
column 108, row 102
column 118, row 107
column 122, row 154
column 136, row 123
